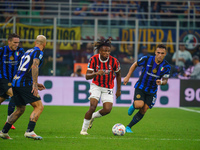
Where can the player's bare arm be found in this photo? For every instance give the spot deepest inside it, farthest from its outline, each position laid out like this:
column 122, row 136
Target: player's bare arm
column 162, row 82
column 132, row 68
column 91, row 74
column 35, row 71
column 118, row 78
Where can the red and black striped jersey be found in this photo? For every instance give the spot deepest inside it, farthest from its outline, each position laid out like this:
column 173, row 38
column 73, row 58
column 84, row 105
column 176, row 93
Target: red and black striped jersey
column 109, row 66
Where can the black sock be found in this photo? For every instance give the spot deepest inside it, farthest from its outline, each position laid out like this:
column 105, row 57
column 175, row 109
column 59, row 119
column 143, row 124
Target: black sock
column 11, row 106
column 6, row 127
column 138, row 116
column 31, row 126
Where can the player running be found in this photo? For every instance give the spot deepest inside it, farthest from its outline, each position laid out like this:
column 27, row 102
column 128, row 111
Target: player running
column 25, row 89
column 154, row 69
column 102, row 68
column 10, row 57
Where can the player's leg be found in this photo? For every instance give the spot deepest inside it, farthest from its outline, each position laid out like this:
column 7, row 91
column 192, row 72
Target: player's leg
column 37, row 110
column 2, row 99
column 88, row 116
column 95, row 92
column 138, row 101
column 3, row 88
column 11, row 105
column 107, row 99
column 107, row 107
column 11, row 120
column 11, row 108
column 137, row 117
column 139, row 98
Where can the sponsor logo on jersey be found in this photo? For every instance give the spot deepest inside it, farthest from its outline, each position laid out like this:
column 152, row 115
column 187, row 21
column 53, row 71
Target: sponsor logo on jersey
column 138, row 96
column 154, row 70
column 11, row 58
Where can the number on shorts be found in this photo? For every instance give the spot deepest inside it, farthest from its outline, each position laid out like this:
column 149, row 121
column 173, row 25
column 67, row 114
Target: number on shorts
column 109, row 92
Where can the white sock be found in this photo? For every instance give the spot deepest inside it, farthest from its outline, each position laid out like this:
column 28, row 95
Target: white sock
column 85, row 125
column 96, row 114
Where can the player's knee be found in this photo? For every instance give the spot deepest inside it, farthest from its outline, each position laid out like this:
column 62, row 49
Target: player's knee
column 41, row 107
column 107, row 110
column 138, row 106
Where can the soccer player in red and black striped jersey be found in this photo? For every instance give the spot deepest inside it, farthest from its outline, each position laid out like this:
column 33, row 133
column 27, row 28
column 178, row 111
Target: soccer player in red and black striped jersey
column 102, row 68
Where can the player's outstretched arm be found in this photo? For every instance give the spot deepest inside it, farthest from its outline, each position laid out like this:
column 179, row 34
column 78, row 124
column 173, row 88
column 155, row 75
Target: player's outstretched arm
column 118, row 78
column 132, row 68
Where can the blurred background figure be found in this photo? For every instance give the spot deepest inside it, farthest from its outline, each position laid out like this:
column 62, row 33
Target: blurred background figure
column 184, row 57
column 168, row 57
column 196, row 71
column 77, row 72
column 128, row 56
column 87, row 53
column 80, row 12
column 114, row 51
column 144, row 52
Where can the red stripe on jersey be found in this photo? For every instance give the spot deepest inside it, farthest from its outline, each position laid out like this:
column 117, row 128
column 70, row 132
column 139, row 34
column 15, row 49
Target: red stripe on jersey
column 109, row 67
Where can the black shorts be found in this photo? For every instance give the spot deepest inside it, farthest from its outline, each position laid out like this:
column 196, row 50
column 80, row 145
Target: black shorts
column 5, row 85
column 23, row 95
column 148, row 98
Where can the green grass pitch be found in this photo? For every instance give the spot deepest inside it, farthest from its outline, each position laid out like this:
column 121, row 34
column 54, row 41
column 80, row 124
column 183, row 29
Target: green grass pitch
column 160, row 129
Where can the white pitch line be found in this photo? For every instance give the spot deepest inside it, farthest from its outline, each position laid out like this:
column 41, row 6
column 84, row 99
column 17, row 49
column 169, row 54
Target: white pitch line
column 186, row 109
column 113, row 138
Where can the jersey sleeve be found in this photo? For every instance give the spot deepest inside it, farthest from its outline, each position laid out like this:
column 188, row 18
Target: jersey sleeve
column 38, row 54
column 91, row 64
column 167, row 72
column 116, row 66
column 21, row 52
column 142, row 61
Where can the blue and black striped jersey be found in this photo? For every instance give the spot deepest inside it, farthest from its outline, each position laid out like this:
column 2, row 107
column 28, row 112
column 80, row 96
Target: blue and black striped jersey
column 150, row 73
column 24, row 73
column 9, row 62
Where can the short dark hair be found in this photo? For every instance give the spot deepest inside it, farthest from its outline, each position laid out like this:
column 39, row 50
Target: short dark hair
column 101, row 43
column 13, row 35
column 161, row 46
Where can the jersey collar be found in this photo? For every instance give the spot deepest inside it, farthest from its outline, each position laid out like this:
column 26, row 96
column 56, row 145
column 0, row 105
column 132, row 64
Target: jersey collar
column 9, row 48
column 103, row 61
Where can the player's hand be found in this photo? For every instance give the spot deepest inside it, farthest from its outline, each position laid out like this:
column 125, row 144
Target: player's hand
column 118, row 93
column 158, row 82
column 35, row 89
column 126, row 79
column 41, row 87
column 100, row 72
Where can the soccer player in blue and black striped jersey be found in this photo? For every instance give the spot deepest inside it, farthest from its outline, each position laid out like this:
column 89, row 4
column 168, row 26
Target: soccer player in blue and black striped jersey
column 25, row 89
column 10, row 57
column 155, row 72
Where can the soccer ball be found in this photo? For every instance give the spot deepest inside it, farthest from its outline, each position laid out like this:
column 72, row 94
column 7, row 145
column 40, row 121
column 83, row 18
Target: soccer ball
column 118, row 129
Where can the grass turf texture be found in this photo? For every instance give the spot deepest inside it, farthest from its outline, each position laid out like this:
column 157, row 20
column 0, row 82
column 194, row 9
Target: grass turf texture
column 161, row 128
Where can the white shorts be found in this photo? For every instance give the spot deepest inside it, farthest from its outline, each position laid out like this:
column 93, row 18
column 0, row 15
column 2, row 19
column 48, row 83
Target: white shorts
column 97, row 92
